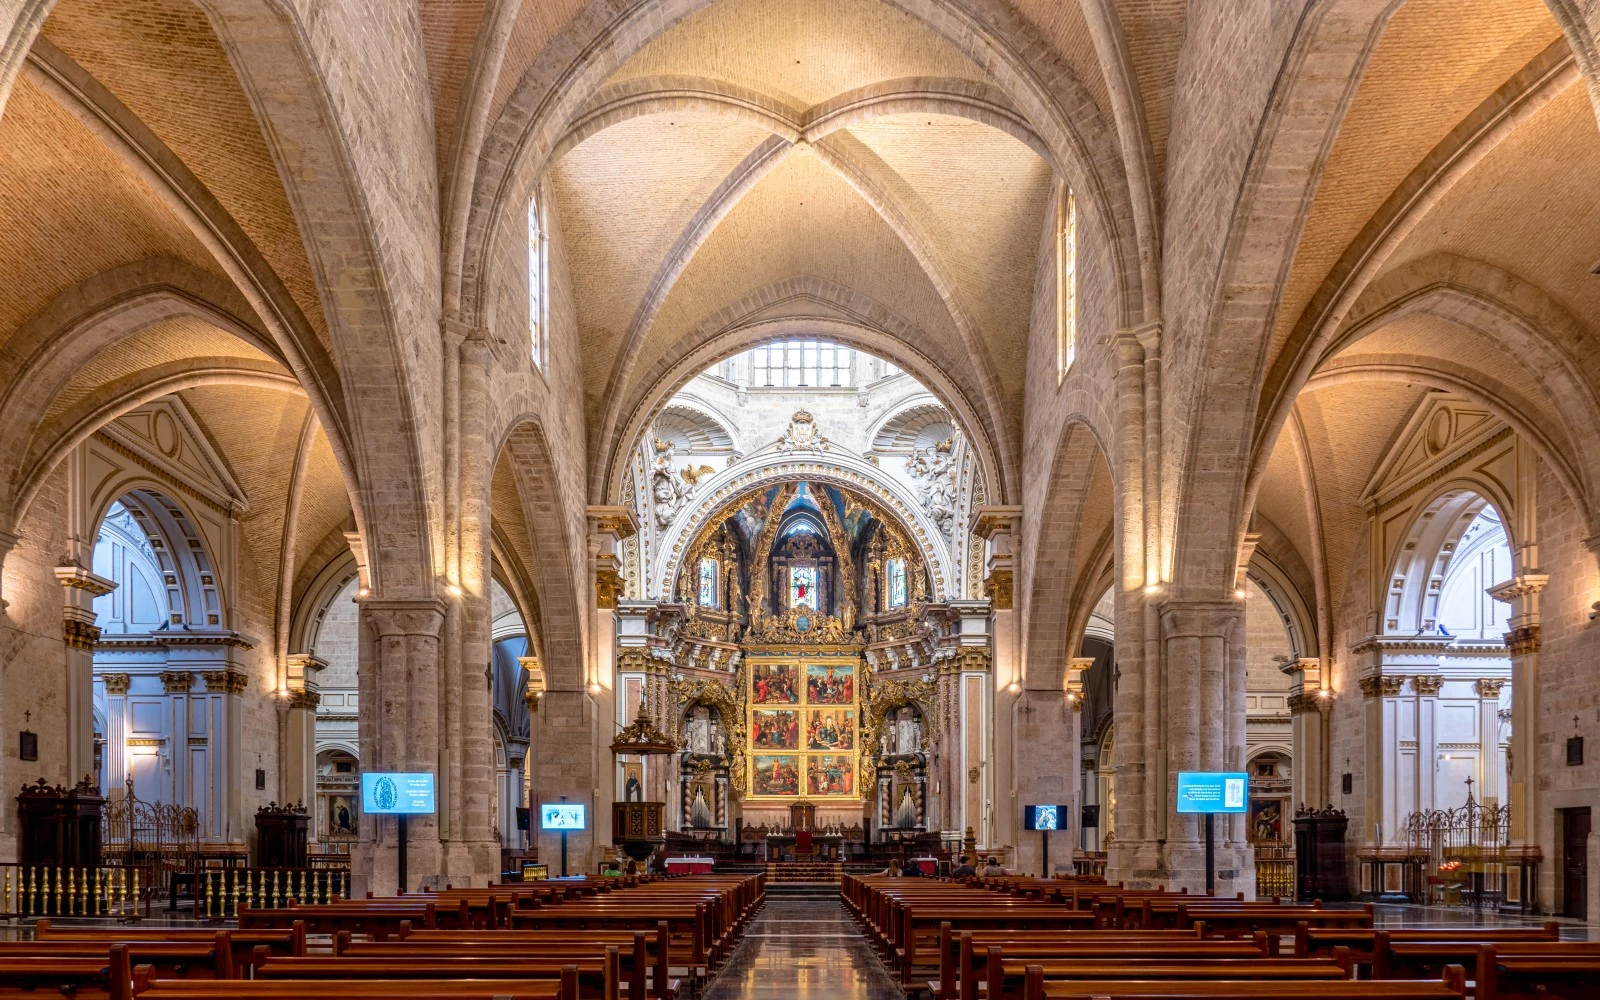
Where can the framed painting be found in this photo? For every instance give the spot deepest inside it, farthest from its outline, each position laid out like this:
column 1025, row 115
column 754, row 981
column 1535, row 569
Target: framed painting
column 831, row 774
column 775, row 684
column 775, row 774
column 830, row 729
column 775, row 729
column 830, row 684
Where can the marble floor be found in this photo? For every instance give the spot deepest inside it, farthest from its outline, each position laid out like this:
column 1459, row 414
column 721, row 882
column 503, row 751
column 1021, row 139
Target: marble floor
column 799, row 948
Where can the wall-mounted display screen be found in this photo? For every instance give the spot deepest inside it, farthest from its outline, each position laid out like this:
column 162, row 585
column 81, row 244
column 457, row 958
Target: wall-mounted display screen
column 1212, row 791
column 561, row 816
column 1044, row 817
column 397, row 793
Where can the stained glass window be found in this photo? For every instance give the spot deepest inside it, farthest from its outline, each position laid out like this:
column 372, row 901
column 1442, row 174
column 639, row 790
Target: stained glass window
column 897, row 583
column 803, row 587
column 708, row 583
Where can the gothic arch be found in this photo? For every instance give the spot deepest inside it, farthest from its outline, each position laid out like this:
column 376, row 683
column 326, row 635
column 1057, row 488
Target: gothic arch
column 872, row 328
column 560, row 572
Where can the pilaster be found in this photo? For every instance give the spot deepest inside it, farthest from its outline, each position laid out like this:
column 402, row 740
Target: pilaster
column 79, row 632
column 1523, row 592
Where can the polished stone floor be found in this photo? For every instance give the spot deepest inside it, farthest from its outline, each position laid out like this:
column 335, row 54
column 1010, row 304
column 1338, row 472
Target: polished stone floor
column 800, row 948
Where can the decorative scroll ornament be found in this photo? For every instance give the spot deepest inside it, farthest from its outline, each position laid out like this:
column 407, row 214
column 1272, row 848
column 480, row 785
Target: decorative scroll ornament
column 800, row 625
column 801, row 434
column 935, row 469
column 730, row 705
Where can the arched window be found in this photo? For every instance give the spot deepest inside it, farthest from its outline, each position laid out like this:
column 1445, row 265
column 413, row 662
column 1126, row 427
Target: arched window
column 897, row 583
column 803, row 587
column 536, row 285
column 708, row 583
column 1066, row 279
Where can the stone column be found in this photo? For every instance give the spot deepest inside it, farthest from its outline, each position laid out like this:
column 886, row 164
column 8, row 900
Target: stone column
column 299, row 765
column 565, row 766
column 1522, row 593
column 1310, row 703
column 1426, row 728
column 116, row 734
column 1491, row 789
column 1201, row 736
column 992, row 808
column 177, row 685
column 608, row 527
column 225, row 802
column 399, row 731
column 80, row 633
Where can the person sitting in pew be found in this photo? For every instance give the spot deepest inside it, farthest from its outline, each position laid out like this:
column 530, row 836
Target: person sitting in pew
column 993, row 869
column 963, row 869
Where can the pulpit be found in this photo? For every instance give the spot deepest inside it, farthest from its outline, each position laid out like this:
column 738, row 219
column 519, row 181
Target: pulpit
column 59, row 826
column 281, row 836
column 637, row 827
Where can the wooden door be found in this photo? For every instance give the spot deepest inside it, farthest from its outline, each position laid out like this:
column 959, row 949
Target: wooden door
column 1575, row 862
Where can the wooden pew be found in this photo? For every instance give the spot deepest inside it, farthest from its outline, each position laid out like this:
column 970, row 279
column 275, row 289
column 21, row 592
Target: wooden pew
column 375, row 989
column 1556, row 972
column 976, row 951
column 1276, row 920
column 81, row 977
column 379, row 918
column 1452, row 986
column 597, row 977
column 1319, row 942
column 1005, row 975
column 1393, row 959
column 644, row 955
column 278, row 942
column 208, row 959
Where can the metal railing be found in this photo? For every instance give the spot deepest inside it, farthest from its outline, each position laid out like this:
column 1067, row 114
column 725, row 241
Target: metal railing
column 1275, row 871
column 68, row 891
column 219, row 892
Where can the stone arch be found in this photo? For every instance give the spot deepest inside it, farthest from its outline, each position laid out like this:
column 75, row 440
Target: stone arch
column 1310, row 96
column 551, row 94
column 1066, row 557
column 842, row 470
column 1293, row 611
column 383, row 323
column 317, row 596
column 867, row 326
column 1435, row 526
column 560, row 573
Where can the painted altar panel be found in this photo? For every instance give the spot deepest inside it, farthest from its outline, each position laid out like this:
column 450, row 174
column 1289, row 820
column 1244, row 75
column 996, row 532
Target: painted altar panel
column 804, row 724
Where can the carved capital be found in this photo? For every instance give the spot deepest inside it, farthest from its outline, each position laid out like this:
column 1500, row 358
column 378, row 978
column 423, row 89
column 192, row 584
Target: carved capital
column 1428, row 684
column 302, row 699
column 79, row 634
column 1523, row 641
column 975, row 658
column 1489, row 687
column 389, row 619
column 1375, row 686
column 225, row 681
column 633, row 659
column 607, row 588
column 999, row 589
column 116, row 684
column 176, row 681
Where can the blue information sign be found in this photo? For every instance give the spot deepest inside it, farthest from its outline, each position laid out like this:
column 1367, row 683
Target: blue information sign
column 390, row 792
column 1212, row 791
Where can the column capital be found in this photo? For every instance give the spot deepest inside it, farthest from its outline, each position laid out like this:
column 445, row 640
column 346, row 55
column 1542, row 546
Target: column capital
column 75, row 577
column 304, row 700
column 1199, row 618
column 1488, row 688
column 117, row 684
column 1523, row 640
column 991, row 520
column 999, row 587
column 607, row 585
column 79, row 634
column 225, row 681
column 1375, row 686
column 177, row 681
column 400, row 617
column 1428, row 684
column 613, row 519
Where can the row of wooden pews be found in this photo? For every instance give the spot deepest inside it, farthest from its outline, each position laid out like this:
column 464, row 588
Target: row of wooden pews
column 584, row 939
column 1020, row 939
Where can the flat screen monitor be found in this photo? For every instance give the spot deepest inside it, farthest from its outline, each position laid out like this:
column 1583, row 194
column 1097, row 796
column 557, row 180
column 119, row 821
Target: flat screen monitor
column 1212, row 791
column 561, row 816
column 1047, row 817
column 397, row 792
